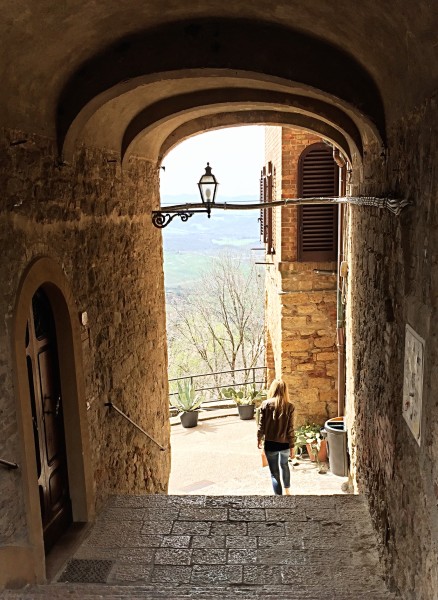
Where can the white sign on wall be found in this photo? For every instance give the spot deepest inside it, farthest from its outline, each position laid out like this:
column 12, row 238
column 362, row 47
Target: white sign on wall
column 413, row 381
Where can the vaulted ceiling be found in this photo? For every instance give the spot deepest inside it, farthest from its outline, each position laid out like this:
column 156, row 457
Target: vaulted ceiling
column 138, row 78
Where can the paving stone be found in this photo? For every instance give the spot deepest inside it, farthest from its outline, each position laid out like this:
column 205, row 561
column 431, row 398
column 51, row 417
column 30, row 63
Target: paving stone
column 267, row 528
column 285, row 542
column 193, row 513
column 214, row 556
column 242, row 556
column 172, row 574
column 240, row 541
column 157, row 527
column 281, row 556
column 176, row 541
column 261, row 574
column 173, row 556
column 225, row 501
column 217, row 574
column 235, row 528
column 247, row 514
column 270, row 501
column 316, row 513
column 208, row 541
column 161, row 514
column 286, row 514
column 191, row 528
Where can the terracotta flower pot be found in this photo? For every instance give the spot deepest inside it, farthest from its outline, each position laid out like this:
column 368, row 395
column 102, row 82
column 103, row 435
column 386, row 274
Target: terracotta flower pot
column 322, row 454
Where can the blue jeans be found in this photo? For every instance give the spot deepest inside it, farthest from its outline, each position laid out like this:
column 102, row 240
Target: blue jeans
column 278, row 459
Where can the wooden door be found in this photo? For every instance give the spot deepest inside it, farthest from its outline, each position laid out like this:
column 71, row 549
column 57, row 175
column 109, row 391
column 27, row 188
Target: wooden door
column 48, row 421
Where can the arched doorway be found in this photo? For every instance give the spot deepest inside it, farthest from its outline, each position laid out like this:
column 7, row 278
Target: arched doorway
column 56, row 469
column 47, row 419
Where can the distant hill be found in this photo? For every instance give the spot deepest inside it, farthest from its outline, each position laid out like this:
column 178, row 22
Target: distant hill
column 188, row 247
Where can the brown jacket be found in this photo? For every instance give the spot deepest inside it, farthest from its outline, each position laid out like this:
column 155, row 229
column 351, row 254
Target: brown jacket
column 279, row 429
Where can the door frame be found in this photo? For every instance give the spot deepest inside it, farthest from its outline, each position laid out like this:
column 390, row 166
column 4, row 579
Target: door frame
column 44, row 272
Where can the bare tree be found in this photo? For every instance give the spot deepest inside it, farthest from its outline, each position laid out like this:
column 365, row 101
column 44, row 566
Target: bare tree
column 219, row 325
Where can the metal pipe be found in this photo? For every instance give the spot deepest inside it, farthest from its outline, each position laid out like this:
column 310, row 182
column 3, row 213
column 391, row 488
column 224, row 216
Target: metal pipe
column 8, row 464
column 340, row 316
column 393, row 204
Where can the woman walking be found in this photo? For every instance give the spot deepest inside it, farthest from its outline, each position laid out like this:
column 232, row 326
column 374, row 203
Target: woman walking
column 277, row 430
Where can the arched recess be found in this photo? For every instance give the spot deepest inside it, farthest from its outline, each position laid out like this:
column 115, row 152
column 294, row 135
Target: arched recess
column 303, row 64
column 45, row 273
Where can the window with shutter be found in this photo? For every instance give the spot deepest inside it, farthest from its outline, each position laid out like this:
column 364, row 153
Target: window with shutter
column 318, row 175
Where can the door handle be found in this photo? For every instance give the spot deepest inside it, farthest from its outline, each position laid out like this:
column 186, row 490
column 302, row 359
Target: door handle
column 57, row 406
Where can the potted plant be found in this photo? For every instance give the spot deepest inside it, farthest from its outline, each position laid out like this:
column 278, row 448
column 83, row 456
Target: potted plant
column 310, row 435
column 245, row 399
column 188, row 402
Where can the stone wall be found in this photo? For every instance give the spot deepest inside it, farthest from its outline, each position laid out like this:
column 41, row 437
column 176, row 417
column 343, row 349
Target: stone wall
column 300, row 305
column 393, row 281
column 94, row 220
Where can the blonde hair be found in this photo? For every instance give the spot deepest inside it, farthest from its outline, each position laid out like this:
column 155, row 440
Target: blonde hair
column 278, row 391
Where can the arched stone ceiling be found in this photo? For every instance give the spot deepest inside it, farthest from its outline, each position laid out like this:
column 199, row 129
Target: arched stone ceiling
column 157, row 115
column 306, row 63
column 78, row 65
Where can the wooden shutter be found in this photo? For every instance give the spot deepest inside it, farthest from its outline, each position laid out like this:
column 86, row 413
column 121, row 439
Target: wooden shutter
column 318, row 175
column 262, row 210
column 266, row 217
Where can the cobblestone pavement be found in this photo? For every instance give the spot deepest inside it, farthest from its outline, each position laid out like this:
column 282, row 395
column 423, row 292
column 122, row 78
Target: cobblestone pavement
column 223, row 547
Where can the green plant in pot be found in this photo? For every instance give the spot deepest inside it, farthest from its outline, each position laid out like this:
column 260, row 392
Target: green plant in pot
column 245, row 399
column 310, row 436
column 188, row 402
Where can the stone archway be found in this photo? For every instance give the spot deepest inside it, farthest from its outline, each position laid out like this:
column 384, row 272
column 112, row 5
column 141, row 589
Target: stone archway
column 44, row 273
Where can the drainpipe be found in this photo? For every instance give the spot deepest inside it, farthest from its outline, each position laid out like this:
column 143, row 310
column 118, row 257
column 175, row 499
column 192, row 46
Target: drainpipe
column 340, row 319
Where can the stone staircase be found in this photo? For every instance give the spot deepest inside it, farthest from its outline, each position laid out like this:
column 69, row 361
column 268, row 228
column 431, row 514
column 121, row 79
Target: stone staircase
column 223, row 547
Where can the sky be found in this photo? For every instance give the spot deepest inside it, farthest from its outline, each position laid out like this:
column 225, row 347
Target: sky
column 235, row 154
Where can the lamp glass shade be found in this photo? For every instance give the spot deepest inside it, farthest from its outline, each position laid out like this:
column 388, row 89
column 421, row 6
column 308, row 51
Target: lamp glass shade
column 208, row 186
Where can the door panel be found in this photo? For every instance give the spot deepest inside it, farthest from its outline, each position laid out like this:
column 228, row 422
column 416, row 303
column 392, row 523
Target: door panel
column 47, row 416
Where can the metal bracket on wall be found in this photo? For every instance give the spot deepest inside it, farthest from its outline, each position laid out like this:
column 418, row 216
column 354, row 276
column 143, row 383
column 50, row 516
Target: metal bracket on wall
column 162, row 218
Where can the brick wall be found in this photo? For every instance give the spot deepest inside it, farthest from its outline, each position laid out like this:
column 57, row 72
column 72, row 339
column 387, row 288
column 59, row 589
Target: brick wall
column 300, row 305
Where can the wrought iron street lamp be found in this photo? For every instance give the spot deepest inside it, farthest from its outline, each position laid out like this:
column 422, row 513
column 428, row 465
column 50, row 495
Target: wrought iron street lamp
column 207, row 188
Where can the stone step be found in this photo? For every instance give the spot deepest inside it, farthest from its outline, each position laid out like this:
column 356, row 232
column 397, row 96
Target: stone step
column 221, row 548
column 94, row 592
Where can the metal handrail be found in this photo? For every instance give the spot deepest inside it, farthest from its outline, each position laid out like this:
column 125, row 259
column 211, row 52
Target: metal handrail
column 218, row 373
column 117, row 409
column 8, row 464
column 219, row 386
